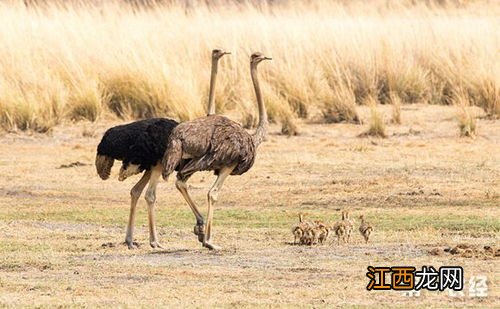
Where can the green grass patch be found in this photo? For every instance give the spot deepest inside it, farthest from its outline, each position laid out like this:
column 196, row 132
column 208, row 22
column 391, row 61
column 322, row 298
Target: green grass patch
column 179, row 217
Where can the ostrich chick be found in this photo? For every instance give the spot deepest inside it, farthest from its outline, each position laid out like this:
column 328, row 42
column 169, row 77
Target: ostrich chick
column 299, row 229
column 365, row 228
column 349, row 224
column 323, row 231
column 339, row 229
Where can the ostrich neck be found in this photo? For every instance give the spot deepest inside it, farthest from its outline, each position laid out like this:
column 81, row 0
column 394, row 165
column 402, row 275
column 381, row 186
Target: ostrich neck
column 211, row 95
column 261, row 131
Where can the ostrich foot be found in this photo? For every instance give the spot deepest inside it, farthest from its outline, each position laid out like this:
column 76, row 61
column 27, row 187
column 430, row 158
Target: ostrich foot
column 156, row 245
column 211, row 246
column 132, row 244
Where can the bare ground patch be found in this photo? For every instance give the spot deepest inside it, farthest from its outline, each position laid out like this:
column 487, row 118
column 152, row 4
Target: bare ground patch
column 61, row 230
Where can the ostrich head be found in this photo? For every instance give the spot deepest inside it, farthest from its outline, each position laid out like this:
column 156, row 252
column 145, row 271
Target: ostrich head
column 256, row 58
column 218, row 53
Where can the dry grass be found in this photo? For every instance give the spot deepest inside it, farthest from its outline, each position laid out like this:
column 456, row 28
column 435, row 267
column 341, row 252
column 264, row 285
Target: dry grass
column 289, row 127
column 396, row 108
column 465, row 117
column 376, row 123
column 422, row 191
column 89, row 62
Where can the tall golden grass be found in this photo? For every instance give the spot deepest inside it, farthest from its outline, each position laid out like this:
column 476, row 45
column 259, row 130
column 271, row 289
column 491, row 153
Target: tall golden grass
column 89, row 61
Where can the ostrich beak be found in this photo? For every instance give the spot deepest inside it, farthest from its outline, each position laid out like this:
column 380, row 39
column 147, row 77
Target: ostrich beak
column 227, row 53
column 268, row 58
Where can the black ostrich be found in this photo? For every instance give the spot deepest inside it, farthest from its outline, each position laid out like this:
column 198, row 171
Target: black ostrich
column 214, row 143
column 140, row 146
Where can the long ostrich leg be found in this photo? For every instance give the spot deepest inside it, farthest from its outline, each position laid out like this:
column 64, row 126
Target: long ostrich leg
column 135, row 193
column 182, row 187
column 213, row 194
column 151, row 199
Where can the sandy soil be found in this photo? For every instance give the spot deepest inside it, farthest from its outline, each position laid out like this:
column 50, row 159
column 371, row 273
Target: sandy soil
column 61, row 227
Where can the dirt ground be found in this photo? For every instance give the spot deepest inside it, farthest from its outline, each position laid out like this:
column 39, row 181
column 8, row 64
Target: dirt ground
column 62, row 227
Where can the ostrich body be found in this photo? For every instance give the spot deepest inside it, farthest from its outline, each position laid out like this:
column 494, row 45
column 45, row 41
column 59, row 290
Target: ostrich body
column 214, row 143
column 140, row 146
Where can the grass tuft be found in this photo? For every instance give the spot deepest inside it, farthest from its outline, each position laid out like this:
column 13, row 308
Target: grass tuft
column 341, row 107
column 396, row 108
column 465, row 117
column 376, row 123
column 289, row 127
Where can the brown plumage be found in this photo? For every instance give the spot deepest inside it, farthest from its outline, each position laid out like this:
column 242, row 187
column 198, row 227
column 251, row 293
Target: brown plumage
column 310, row 233
column 298, row 230
column 314, row 233
column 343, row 228
column 209, row 144
column 322, row 231
column 309, row 236
column 214, row 143
column 349, row 224
column 365, row 228
column 339, row 229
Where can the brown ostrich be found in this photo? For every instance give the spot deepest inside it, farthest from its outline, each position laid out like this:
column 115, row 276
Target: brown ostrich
column 214, row 143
